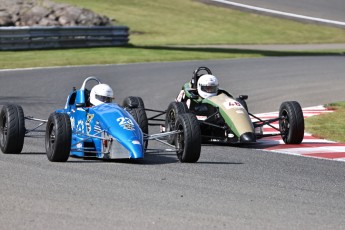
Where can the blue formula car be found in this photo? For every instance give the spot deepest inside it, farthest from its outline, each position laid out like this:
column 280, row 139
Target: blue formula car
column 105, row 130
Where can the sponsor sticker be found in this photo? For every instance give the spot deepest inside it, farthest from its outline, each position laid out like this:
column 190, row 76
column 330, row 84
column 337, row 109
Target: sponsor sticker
column 72, row 122
column 136, row 142
column 201, row 118
column 88, row 121
column 80, row 126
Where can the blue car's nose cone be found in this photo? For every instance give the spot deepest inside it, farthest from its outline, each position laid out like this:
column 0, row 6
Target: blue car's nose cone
column 136, row 149
column 125, row 132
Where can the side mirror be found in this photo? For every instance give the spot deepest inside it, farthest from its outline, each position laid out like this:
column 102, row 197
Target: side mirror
column 243, row 97
column 78, row 105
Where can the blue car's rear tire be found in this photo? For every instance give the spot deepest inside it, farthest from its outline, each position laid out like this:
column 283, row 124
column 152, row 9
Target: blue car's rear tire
column 139, row 115
column 188, row 141
column 133, row 102
column 58, row 137
column 172, row 113
column 12, row 129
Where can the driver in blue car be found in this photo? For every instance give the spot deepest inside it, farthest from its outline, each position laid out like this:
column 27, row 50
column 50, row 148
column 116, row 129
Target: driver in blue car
column 101, row 93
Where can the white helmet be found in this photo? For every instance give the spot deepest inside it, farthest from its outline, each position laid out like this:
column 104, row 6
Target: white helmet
column 101, row 93
column 207, row 86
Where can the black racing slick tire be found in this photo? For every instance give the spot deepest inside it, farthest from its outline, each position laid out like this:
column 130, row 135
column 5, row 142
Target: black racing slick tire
column 133, row 102
column 139, row 115
column 188, row 140
column 58, row 137
column 173, row 111
column 291, row 123
column 12, row 129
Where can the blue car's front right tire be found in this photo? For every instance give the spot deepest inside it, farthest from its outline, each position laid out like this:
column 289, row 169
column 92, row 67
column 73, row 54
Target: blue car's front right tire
column 58, row 137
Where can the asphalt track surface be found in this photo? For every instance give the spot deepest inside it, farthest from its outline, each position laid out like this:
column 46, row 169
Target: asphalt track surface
column 229, row 187
column 326, row 9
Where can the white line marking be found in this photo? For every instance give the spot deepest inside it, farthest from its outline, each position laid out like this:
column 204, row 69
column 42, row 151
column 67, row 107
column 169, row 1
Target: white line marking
column 324, row 149
column 260, row 9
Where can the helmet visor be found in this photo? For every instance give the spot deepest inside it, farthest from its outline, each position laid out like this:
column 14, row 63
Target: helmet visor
column 210, row 88
column 104, row 98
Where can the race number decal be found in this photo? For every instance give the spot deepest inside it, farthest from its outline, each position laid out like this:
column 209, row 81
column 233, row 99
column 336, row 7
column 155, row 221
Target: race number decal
column 125, row 123
column 231, row 104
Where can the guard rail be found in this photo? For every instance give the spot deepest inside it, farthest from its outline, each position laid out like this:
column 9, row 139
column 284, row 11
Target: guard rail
column 28, row 38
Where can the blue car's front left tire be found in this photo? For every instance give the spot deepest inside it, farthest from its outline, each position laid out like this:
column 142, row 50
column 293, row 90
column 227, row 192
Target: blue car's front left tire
column 58, row 137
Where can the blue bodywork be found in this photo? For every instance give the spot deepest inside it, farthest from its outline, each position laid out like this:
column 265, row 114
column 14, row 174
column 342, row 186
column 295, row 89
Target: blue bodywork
column 105, row 131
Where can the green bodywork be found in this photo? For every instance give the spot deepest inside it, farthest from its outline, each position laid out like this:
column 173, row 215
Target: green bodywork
column 233, row 113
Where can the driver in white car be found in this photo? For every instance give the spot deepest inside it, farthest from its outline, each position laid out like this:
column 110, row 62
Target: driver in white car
column 207, row 86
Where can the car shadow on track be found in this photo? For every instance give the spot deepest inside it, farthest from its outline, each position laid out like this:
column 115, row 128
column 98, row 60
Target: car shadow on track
column 150, row 159
column 30, row 153
column 219, row 163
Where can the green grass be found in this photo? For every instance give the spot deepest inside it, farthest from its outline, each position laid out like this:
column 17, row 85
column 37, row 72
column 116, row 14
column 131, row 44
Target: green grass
column 129, row 54
column 181, row 22
column 156, row 24
column 330, row 126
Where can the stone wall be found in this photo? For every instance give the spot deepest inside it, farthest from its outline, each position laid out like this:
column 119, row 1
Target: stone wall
column 47, row 13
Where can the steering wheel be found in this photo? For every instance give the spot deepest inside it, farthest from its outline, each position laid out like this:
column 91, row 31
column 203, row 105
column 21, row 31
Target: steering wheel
column 197, row 74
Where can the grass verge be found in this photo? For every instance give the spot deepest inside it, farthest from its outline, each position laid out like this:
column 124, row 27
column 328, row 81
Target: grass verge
column 330, row 126
column 182, row 22
column 131, row 54
column 156, row 24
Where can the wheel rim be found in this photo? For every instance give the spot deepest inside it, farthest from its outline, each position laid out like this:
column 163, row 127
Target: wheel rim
column 172, row 120
column 3, row 130
column 284, row 125
column 180, row 142
column 51, row 138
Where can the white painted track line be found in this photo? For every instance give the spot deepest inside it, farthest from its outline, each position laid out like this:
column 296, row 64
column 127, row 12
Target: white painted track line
column 282, row 13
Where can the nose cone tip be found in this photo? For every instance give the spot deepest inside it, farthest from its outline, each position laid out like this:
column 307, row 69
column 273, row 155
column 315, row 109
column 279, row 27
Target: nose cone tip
column 137, row 152
column 248, row 137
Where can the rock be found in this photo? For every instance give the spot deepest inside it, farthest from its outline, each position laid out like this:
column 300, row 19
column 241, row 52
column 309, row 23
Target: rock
column 48, row 22
column 47, row 13
column 5, row 19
